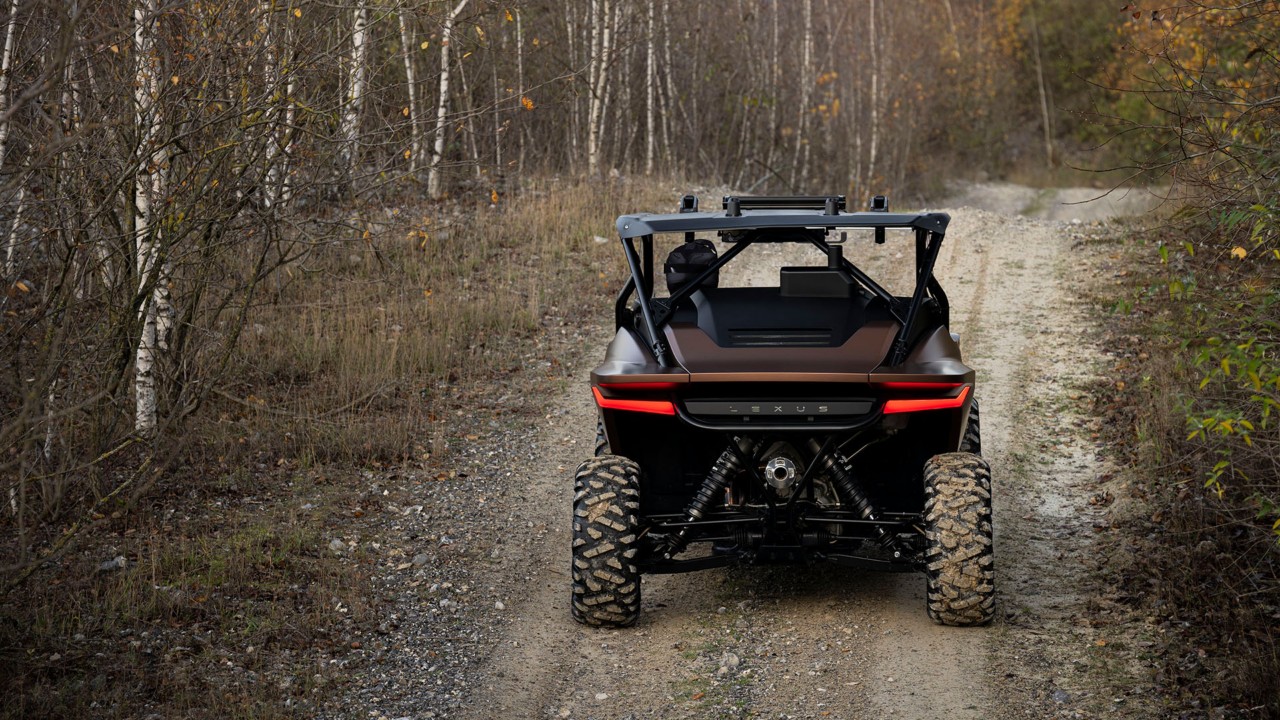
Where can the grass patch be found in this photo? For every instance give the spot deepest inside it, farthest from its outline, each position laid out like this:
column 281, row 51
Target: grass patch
column 367, row 340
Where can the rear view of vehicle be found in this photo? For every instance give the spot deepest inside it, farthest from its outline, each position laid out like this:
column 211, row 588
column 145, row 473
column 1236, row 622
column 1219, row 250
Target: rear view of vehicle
column 823, row 419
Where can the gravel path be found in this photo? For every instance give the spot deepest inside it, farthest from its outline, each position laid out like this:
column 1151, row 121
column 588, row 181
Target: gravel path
column 476, row 609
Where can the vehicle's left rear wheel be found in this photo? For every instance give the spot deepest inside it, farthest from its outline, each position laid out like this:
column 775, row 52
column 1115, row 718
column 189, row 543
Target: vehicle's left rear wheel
column 606, row 579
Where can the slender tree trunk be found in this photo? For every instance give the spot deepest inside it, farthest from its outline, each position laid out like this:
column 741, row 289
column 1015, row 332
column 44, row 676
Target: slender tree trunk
column 497, row 118
column 442, row 104
column 356, row 80
column 470, row 116
column 673, row 100
column 524, row 127
column 571, row 33
column 6, row 65
column 11, row 243
column 875, row 102
column 600, row 46
column 411, row 81
column 799, row 162
column 148, row 187
column 290, row 111
column 271, row 78
column 1045, row 116
column 953, row 40
column 776, row 91
column 650, row 88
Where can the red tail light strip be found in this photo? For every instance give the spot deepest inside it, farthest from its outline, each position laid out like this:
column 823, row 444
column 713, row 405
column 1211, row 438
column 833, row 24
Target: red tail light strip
column 921, row 404
column 657, row 407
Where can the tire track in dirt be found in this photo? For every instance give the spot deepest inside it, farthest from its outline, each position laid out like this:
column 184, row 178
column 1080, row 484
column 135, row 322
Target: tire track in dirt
column 832, row 642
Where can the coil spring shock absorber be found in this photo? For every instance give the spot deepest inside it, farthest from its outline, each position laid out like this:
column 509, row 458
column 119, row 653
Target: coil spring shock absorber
column 725, row 468
column 836, row 467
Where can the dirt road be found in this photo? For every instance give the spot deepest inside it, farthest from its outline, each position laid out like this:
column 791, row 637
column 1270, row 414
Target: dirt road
column 832, row 642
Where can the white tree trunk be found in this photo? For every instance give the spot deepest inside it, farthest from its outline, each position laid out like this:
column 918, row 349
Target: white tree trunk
column 601, row 19
column 411, row 79
column 497, row 118
column 273, row 185
column 520, row 86
column 669, row 110
column 776, row 81
column 290, row 109
column 875, row 104
column 11, row 244
column 357, row 78
column 148, row 188
column 799, row 161
column 571, row 33
column 6, row 64
column 442, row 105
column 650, row 88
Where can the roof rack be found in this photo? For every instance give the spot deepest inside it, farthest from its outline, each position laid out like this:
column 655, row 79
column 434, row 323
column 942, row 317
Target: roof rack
column 829, row 204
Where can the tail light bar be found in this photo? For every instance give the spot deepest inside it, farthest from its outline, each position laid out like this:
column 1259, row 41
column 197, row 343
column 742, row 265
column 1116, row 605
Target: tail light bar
column 920, row 404
column 655, row 407
column 922, row 396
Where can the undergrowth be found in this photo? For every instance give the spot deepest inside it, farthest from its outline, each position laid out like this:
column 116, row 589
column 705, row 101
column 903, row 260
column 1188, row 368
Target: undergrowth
column 1195, row 333
column 236, row 585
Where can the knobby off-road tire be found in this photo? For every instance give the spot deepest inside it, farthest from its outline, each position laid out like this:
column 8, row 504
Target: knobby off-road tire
column 602, row 443
column 972, row 441
column 606, row 581
column 959, row 562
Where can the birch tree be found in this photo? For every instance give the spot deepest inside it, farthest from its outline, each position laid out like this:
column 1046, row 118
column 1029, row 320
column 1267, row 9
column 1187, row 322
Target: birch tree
column 411, row 87
column 277, row 146
column 799, row 162
column 147, row 193
column 650, row 89
column 601, row 50
column 442, row 100
column 6, row 66
column 874, row 48
column 357, row 78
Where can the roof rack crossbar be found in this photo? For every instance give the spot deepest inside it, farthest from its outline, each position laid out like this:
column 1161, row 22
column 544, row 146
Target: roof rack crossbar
column 830, row 204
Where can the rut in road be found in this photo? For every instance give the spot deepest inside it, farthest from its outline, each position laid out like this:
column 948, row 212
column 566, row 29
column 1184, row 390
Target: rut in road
column 826, row 641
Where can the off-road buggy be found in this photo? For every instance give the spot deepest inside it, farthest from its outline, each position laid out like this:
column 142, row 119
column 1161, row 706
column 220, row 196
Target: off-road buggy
column 824, row 419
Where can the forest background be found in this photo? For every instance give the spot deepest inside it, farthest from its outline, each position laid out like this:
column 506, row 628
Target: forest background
column 249, row 238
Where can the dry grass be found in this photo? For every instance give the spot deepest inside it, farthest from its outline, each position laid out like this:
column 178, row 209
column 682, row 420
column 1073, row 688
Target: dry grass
column 231, row 604
column 364, row 337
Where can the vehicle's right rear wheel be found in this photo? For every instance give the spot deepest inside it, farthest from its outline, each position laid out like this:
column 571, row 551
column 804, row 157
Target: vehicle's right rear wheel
column 606, row 580
column 959, row 562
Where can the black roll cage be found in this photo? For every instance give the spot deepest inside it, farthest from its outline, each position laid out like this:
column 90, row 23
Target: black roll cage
column 748, row 220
